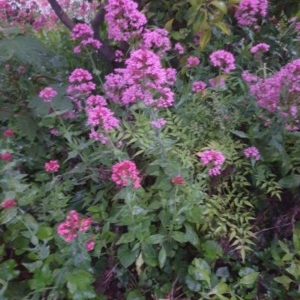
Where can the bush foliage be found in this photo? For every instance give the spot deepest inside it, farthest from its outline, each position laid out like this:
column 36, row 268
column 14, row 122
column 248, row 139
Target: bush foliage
column 150, row 150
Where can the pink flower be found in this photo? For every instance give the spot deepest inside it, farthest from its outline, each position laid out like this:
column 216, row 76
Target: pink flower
column 73, row 224
column 262, row 47
column 6, row 156
column 178, row 180
column 52, row 166
column 125, row 173
column 179, row 48
column 192, row 61
column 124, row 20
column 223, row 59
column 47, row 94
column 81, row 31
column 212, row 158
column 156, row 40
column 8, row 133
column 252, row 152
column 8, row 203
column 90, row 244
column 217, row 82
column 198, row 86
column 250, row 11
column 80, row 75
column 158, row 124
column 144, row 79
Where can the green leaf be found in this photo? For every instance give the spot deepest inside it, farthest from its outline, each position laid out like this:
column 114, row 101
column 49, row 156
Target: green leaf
column 220, row 5
column 42, row 277
column 149, row 255
column 191, row 235
column 127, row 256
column 179, row 236
column 31, row 267
column 7, row 270
column 212, row 250
column 45, row 233
column 79, row 283
column 249, row 279
column 162, row 256
column 240, row 134
column 284, row 280
column 205, row 38
column 224, row 27
column 155, row 239
column 8, row 214
column 135, row 295
column 126, row 238
column 290, row 181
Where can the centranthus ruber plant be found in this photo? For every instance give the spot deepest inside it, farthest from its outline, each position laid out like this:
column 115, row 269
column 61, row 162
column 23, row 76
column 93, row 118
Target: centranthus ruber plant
column 149, row 150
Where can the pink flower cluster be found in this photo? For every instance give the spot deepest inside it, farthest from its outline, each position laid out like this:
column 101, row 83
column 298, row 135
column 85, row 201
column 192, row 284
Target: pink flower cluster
column 198, row 86
column 6, row 156
column 125, row 173
column 252, row 152
column 8, row 133
column 144, row 79
column 192, row 61
column 179, row 48
column 73, row 224
column 158, row 124
column 280, row 93
column 261, row 47
column 156, row 40
column 124, row 20
column 80, row 85
column 223, row 59
column 250, row 11
column 8, row 203
column 212, row 158
column 52, row 166
column 47, row 94
column 84, row 33
column 99, row 117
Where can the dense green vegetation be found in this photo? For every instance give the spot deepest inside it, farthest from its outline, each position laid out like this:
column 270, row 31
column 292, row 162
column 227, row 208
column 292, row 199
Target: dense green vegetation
column 150, row 150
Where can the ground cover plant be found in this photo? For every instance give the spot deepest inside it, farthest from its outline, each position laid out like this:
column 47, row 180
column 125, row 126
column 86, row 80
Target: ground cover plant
column 149, row 150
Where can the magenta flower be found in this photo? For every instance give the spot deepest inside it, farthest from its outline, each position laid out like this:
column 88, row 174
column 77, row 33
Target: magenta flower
column 212, row 158
column 52, row 166
column 8, row 203
column 156, row 40
column 8, row 133
column 81, row 31
column 198, row 86
column 90, row 245
column 179, row 48
column 144, row 79
column 223, row 59
column 177, row 180
column 6, row 156
column 158, row 124
column 47, row 94
column 124, row 20
column 69, row 229
column 252, row 152
column 250, row 11
column 261, row 47
column 125, row 173
column 192, row 61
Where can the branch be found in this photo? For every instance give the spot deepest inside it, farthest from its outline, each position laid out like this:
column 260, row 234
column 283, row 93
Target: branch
column 105, row 49
column 61, row 14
